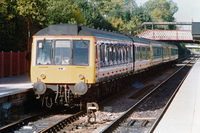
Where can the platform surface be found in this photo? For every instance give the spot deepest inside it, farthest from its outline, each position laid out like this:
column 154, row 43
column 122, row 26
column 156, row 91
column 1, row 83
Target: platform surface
column 14, row 84
column 183, row 114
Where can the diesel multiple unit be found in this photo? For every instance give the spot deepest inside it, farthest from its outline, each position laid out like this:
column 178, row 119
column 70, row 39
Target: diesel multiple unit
column 72, row 63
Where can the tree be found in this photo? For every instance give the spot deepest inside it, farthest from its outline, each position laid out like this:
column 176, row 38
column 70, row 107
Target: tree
column 8, row 16
column 32, row 10
column 14, row 17
column 161, row 10
column 137, row 17
column 63, row 11
column 119, row 15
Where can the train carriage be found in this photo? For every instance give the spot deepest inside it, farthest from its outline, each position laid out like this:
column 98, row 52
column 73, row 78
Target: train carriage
column 142, row 54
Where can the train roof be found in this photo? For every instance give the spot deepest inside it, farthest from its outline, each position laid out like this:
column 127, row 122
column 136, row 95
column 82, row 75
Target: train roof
column 148, row 41
column 76, row 30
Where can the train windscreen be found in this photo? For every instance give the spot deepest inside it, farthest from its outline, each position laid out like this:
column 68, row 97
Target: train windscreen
column 80, row 52
column 63, row 52
column 44, row 52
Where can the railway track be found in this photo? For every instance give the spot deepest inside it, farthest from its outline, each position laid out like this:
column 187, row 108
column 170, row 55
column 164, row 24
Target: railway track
column 24, row 121
column 128, row 122
column 52, row 123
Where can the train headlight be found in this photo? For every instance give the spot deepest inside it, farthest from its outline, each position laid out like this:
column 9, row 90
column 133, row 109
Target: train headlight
column 81, row 76
column 80, row 88
column 43, row 76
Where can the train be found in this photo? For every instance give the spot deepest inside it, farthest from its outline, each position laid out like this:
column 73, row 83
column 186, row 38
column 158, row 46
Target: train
column 72, row 64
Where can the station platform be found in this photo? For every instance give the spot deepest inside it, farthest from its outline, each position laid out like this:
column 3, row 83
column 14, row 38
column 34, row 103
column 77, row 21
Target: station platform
column 14, row 84
column 183, row 114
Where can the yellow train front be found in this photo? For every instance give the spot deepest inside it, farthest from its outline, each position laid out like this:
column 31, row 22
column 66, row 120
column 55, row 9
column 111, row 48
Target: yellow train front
column 64, row 62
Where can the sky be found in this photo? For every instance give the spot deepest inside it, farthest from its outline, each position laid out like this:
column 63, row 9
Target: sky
column 188, row 10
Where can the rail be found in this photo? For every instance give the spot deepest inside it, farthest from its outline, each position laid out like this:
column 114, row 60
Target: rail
column 167, row 105
column 117, row 122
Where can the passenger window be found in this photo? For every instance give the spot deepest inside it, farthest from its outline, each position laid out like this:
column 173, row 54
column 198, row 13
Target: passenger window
column 122, row 53
column 143, row 53
column 138, row 53
column 126, row 50
column 102, row 55
column 148, row 52
column 114, row 53
column 117, row 53
column 131, row 53
column 81, row 52
column 110, row 53
column 106, row 50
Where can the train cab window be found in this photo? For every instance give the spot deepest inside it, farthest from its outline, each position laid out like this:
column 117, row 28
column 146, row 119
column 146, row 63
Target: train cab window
column 44, row 48
column 80, row 52
column 62, row 52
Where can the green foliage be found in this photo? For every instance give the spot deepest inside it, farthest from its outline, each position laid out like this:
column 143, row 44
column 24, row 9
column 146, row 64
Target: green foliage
column 31, row 10
column 13, row 22
column 119, row 15
column 63, row 11
column 9, row 22
column 137, row 17
column 161, row 11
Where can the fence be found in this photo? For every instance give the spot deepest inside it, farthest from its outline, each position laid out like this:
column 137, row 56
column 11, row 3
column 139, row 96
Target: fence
column 167, row 35
column 13, row 63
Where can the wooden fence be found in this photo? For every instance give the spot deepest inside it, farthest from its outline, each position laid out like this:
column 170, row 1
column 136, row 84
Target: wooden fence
column 13, row 63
